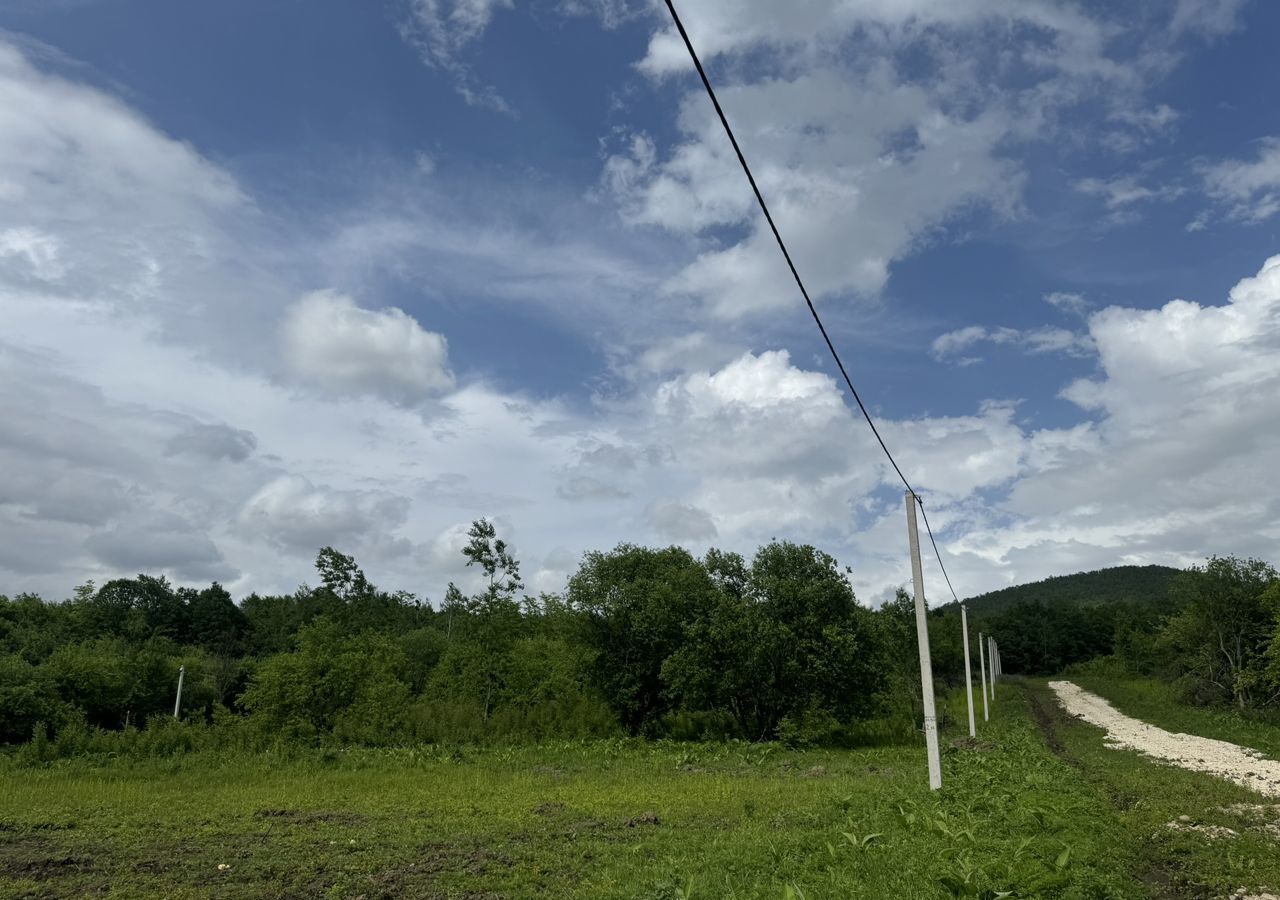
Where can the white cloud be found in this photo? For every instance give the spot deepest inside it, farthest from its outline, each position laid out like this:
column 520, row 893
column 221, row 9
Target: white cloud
column 36, row 251
column 862, row 158
column 1185, row 399
column 1156, row 119
column 1045, row 339
column 294, row 513
column 1212, row 17
column 856, row 171
column 146, row 427
column 719, row 27
column 1124, row 192
column 1249, row 190
column 1075, row 304
column 442, row 29
column 332, row 344
column 1136, row 126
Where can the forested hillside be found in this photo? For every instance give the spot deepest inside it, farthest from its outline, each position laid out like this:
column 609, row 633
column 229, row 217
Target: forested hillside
column 1119, row 584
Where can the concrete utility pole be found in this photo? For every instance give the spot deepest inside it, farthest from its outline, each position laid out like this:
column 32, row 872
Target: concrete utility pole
column 922, row 639
column 177, row 701
column 968, row 672
column 991, row 661
column 982, row 670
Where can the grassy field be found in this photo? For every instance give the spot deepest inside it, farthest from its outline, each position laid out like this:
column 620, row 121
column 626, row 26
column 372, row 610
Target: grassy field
column 1036, row 808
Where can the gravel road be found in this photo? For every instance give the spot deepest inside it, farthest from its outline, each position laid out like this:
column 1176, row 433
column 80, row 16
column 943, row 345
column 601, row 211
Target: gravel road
column 1230, row 761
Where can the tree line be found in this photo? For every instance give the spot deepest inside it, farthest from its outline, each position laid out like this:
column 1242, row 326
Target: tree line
column 643, row 641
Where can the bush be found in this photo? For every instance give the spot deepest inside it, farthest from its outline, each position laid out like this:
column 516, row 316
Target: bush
column 28, row 696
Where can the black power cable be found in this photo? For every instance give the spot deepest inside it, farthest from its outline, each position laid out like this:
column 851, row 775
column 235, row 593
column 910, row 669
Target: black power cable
column 764, row 207
column 929, row 530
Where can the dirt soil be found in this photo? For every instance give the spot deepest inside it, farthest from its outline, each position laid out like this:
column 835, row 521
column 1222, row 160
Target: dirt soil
column 1241, row 765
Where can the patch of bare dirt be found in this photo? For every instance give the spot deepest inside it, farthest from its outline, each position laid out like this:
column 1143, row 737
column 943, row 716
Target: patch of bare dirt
column 649, row 817
column 37, row 860
column 309, row 817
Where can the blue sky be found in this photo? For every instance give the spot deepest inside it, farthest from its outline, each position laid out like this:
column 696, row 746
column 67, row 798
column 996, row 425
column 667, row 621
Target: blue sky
column 291, row 274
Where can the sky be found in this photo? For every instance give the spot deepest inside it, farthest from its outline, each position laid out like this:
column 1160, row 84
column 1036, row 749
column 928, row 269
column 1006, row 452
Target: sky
column 276, row 276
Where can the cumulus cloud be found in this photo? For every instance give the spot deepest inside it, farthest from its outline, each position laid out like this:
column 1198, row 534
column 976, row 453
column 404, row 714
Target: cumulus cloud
column 864, row 163
column 1185, row 396
column 336, row 346
column 292, row 512
column 856, row 169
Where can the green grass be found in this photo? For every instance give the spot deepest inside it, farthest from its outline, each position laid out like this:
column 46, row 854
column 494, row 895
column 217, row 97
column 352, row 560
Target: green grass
column 622, row 819
column 1157, row 702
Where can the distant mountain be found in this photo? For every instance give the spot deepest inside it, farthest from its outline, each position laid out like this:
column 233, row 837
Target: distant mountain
column 1119, row 584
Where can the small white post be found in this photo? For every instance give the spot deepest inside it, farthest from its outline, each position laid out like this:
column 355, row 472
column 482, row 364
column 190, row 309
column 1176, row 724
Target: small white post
column 177, row 701
column 968, row 671
column 982, row 670
column 922, row 640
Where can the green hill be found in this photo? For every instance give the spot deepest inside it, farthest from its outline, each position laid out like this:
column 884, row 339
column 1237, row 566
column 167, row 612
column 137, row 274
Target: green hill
column 1117, row 585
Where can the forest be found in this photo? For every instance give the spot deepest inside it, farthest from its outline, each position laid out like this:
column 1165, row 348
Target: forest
column 650, row 642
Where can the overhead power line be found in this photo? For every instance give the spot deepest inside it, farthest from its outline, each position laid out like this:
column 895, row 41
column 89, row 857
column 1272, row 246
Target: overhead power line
column 777, row 236
column 929, row 531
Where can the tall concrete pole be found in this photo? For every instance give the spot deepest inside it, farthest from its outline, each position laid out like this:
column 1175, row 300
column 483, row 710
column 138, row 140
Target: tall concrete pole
column 968, row 672
column 982, row 670
column 177, row 701
column 991, row 662
column 922, row 640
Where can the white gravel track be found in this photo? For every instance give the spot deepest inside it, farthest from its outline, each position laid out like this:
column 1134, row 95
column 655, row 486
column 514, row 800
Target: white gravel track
column 1245, row 767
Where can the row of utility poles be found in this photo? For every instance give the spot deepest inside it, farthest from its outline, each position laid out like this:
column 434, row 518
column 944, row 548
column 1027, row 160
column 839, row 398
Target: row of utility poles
column 988, row 658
